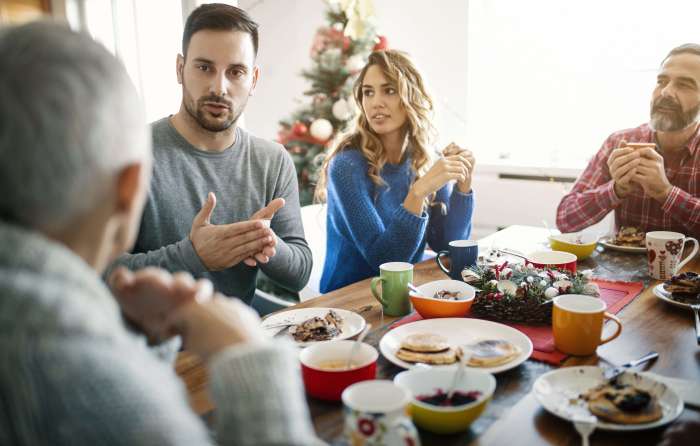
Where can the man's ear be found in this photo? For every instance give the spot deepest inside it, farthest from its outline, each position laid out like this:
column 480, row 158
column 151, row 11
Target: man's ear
column 130, row 183
column 256, row 75
column 179, row 67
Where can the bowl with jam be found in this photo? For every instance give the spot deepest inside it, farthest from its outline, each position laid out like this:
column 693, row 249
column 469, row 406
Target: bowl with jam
column 432, row 410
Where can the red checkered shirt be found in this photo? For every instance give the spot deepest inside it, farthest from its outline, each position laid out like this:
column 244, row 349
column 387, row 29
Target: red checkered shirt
column 593, row 194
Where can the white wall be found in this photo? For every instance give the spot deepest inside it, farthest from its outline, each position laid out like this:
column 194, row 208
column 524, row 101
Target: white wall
column 433, row 33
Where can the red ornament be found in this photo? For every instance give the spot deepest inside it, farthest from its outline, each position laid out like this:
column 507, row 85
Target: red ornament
column 299, row 128
column 382, row 43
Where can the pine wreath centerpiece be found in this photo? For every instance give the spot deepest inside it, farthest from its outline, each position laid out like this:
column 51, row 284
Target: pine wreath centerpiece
column 514, row 293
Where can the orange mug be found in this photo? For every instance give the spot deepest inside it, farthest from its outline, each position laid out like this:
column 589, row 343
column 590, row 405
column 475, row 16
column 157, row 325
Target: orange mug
column 577, row 324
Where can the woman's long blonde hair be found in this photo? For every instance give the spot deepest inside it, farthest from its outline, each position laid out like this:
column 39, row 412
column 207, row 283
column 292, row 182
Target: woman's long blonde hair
column 400, row 71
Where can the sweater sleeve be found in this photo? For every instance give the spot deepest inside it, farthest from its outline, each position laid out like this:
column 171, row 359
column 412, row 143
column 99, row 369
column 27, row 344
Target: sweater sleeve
column 454, row 221
column 259, row 396
column 180, row 256
column 291, row 265
column 593, row 195
column 351, row 191
column 131, row 398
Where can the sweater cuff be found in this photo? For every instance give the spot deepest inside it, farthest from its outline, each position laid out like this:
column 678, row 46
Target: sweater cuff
column 190, row 257
column 257, row 390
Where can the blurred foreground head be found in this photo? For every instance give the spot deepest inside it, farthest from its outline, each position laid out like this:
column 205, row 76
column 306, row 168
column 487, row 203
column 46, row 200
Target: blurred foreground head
column 74, row 147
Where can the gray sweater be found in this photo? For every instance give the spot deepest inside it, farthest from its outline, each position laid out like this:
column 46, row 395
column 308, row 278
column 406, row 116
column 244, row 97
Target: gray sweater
column 245, row 177
column 72, row 374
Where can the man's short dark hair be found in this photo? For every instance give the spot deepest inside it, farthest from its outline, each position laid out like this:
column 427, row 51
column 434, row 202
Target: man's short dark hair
column 218, row 16
column 686, row 48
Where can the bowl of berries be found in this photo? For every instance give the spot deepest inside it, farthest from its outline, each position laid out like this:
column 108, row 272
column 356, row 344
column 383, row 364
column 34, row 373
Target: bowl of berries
column 432, row 410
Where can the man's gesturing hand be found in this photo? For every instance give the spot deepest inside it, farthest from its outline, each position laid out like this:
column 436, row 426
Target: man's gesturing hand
column 223, row 246
column 266, row 213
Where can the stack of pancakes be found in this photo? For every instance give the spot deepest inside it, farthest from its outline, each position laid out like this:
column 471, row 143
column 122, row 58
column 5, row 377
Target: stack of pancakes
column 492, row 353
column 685, row 283
column 630, row 236
column 426, row 348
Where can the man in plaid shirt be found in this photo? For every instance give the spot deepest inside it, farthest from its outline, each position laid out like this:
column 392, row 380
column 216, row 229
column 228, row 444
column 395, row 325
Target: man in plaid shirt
column 656, row 187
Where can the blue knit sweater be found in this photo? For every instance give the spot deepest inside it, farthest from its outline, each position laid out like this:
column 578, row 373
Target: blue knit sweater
column 364, row 232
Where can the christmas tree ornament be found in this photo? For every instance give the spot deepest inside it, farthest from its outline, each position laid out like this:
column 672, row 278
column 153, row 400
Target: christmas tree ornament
column 382, row 43
column 341, row 110
column 358, row 12
column 355, row 63
column 321, row 129
column 299, row 128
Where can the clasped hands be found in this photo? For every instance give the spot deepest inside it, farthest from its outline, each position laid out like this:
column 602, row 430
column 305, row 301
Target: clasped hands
column 638, row 167
column 223, row 246
column 163, row 305
column 456, row 164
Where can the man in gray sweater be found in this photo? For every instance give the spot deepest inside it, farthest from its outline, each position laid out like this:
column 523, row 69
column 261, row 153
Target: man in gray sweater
column 74, row 168
column 201, row 155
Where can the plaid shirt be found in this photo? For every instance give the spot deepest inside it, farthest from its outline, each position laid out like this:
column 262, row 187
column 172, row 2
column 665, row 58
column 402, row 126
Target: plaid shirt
column 593, row 194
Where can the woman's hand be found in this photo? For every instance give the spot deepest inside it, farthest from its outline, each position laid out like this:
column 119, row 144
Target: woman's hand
column 445, row 169
column 466, row 157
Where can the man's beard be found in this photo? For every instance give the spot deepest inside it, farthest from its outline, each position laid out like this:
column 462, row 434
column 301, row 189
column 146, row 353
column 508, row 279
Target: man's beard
column 196, row 110
column 666, row 121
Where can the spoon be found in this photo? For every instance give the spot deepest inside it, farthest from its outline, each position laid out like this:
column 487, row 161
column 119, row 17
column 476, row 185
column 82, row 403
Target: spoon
column 546, row 226
column 462, row 358
column 413, row 288
column 356, row 345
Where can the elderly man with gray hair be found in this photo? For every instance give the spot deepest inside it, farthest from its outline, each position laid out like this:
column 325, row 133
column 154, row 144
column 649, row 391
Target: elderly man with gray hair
column 75, row 161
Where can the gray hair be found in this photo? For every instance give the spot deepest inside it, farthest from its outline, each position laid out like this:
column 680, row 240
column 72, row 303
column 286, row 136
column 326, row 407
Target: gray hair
column 70, row 119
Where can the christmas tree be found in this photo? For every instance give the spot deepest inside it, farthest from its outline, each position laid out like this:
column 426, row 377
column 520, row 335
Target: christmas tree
column 338, row 53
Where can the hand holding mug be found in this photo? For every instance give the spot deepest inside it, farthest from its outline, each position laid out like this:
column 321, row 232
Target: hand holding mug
column 622, row 164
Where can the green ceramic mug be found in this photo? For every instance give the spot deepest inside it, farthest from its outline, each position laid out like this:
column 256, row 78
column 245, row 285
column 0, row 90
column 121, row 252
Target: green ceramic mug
column 395, row 277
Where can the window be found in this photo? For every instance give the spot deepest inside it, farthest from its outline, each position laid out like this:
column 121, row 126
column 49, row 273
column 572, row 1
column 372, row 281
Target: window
column 548, row 81
column 146, row 36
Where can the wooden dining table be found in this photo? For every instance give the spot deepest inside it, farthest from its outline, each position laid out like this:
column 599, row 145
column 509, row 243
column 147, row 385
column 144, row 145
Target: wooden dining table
column 514, row 416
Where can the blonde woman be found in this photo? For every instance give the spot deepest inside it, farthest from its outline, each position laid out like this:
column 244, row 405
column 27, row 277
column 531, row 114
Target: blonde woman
column 386, row 196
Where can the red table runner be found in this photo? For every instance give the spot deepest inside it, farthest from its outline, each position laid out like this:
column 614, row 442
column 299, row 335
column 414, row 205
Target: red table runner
column 616, row 294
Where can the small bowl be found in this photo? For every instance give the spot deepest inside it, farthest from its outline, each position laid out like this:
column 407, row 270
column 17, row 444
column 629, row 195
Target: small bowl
column 430, row 307
column 329, row 384
column 442, row 419
column 553, row 259
column 580, row 245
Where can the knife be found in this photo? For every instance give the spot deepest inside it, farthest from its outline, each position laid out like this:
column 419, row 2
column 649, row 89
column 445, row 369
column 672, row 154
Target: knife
column 611, row 374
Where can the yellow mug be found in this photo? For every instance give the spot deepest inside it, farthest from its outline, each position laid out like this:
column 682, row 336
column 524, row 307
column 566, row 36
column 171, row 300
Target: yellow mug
column 577, row 323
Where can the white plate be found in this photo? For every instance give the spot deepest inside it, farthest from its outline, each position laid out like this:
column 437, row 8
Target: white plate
column 607, row 242
column 352, row 323
column 558, row 391
column 662, row 294
column 458, row 331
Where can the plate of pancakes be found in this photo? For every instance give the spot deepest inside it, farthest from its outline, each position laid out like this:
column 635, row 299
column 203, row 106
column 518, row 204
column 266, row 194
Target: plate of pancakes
column 490, row 346
column 632, row 401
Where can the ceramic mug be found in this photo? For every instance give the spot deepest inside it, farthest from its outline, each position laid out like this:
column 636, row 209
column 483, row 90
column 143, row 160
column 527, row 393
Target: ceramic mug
column 462, row 254
column 664, row 251
column 395, row 277
column 577, row 324
column 376, row 414
column 553, row 259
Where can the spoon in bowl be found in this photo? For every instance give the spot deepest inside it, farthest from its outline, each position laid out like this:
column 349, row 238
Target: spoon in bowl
column 413, row 288
column 462, row 359
column 356, row 345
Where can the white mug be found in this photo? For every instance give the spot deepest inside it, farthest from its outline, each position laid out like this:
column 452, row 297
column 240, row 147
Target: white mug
column 664, row 251
column 376, row 414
